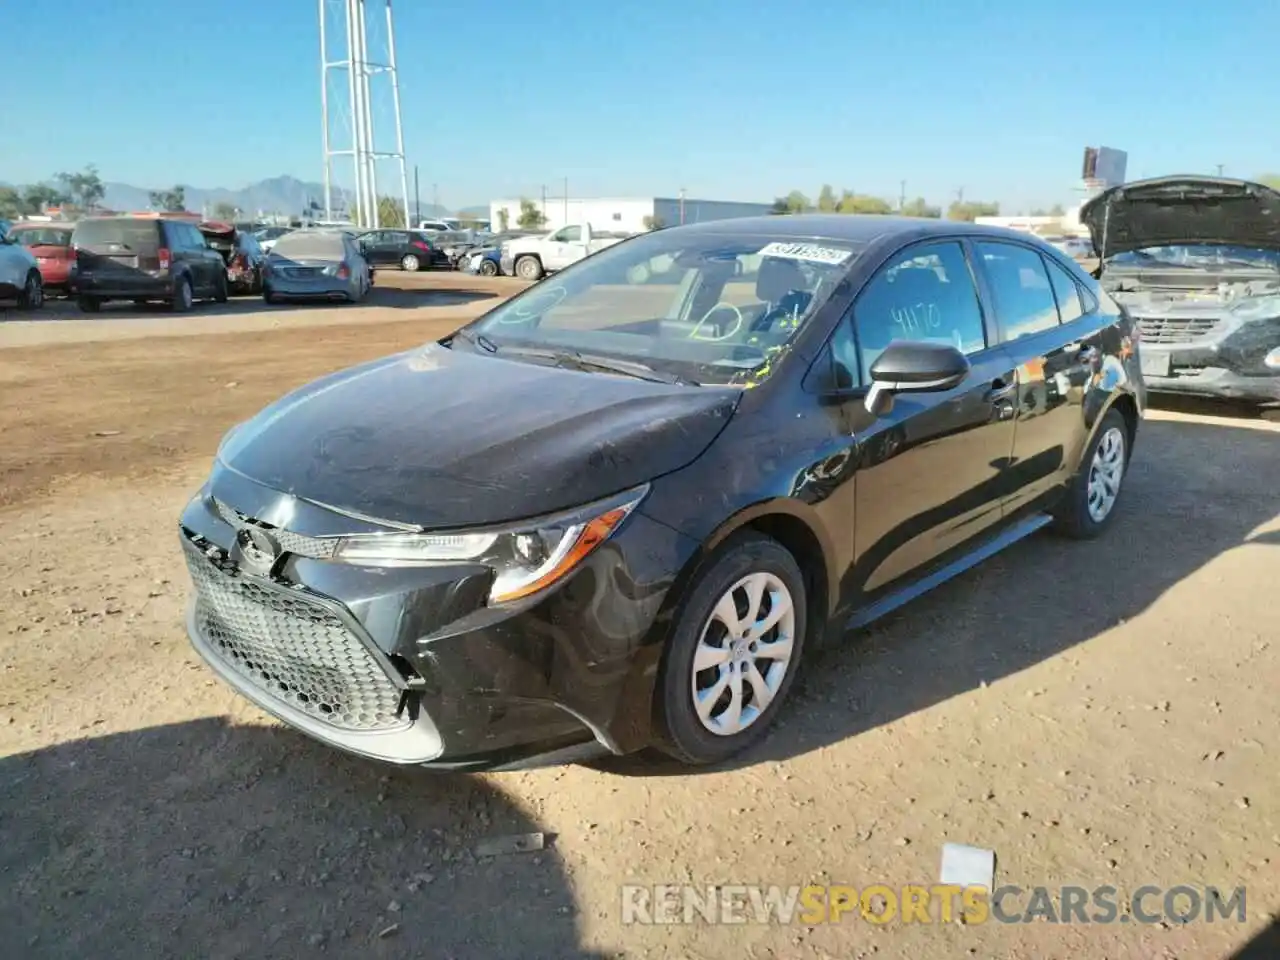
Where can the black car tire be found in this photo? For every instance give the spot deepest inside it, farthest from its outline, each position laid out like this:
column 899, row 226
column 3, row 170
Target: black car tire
column 268, row 296
column 32, row 297
column 488, row 268
column 528, row 267
column 183, row 298
column 220, row 293
column 410, row 263
column 682, row 734
column 89, row 304
column 1072, row 517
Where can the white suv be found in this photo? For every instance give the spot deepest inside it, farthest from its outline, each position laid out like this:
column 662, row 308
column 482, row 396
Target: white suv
column 20, row 274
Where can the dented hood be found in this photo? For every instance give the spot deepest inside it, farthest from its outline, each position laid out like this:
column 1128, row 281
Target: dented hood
column 447, row 438
column 1181, row 210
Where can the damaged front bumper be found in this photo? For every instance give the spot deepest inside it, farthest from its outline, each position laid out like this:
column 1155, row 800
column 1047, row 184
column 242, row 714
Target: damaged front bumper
column 1211, row 354
column 407, row 664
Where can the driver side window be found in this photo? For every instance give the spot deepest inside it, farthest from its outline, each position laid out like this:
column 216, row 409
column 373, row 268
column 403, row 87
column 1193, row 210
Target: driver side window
column 568, row 235
column 926, row 293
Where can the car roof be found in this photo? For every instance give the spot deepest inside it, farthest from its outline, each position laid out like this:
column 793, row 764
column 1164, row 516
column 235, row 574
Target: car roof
column 858, row 228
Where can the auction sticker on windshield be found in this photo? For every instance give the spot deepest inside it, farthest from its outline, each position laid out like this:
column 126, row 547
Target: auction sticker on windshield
column 806, row 251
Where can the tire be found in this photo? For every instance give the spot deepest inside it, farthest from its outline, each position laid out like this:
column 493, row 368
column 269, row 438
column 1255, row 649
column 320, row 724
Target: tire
column 89, row 304
column 182, row 299
column 1084, row 514
column 748, row 558
column 32, row 297
column 528, row 268
column 269, row 297
column 488, row 268
column 220, row 292
column 410, row 263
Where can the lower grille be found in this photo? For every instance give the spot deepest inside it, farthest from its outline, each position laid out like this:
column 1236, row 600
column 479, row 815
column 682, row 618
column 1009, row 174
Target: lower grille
column 293, row 650
column 1176, row 329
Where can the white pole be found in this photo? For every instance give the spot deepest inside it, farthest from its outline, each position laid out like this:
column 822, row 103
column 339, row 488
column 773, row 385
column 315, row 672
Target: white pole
column 355, row 114
column 371, row 175
column 395, row 93
column 324, row 110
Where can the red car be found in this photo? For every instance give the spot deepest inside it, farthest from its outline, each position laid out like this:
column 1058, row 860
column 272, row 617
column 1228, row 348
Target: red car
column 50, row 244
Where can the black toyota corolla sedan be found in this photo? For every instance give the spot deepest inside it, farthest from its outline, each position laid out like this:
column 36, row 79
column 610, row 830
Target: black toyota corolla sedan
column 614, row 511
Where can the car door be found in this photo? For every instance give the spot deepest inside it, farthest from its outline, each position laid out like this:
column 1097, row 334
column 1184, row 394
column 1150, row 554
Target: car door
column 930, row 471
column 563, row 248
column 1056, row 347
column 13, row 265
column 185, row 253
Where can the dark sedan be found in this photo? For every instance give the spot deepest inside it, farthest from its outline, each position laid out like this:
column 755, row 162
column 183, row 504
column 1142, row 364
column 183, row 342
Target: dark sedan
column 410, row 250
column 615, row 510
column 1196, row 261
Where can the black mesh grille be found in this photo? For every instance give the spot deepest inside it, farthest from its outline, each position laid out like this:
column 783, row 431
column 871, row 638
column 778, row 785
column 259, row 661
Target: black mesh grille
column 315, row 548
column 293, row 650
column 1175, row 329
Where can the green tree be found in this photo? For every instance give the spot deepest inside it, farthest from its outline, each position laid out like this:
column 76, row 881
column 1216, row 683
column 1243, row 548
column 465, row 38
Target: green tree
column 919, row 207
column 10, row 203
column 85, row 188
column 170, row 201
column 1271, row 180
column 224, row 211
column 653, row 223
column 531, row 218
column 390, row 212
column 827, row 202
column 970, row 210
column 39, row 196
column 852, row 202
column 504, row 220
column 1057, row 210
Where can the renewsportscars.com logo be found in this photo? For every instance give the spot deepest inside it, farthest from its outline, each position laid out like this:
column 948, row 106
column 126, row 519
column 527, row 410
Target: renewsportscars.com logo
column 936, row 903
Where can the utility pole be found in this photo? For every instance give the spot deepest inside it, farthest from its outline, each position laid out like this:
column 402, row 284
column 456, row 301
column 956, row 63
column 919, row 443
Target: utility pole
column 902, row 195
column 682, row 206
column 417, row 201
column 544, row 203
column 435, row 199
column 566, row 200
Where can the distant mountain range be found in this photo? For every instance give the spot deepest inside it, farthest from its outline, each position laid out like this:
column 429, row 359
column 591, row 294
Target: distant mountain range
column 283, row 195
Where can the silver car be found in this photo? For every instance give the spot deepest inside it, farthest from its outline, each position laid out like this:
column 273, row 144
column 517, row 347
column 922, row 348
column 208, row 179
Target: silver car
column 316, row 265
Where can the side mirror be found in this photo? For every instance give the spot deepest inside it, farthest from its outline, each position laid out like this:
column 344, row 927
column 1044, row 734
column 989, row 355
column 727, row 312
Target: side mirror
column 912, row 366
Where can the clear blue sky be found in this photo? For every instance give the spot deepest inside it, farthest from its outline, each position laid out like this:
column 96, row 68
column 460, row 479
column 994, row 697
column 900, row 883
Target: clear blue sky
column 730, row 100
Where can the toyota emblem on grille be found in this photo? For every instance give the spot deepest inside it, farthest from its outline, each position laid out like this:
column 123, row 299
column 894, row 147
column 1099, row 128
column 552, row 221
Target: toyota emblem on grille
column 259, row 550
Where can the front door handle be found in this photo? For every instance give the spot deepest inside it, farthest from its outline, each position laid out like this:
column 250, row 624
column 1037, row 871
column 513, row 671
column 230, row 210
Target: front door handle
column 1002, row 388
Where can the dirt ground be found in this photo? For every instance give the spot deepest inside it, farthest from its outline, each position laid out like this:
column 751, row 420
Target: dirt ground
column 1097, row 713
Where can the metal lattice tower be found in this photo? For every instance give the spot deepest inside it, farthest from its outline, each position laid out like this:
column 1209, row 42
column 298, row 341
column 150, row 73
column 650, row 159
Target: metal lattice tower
column 354, row 91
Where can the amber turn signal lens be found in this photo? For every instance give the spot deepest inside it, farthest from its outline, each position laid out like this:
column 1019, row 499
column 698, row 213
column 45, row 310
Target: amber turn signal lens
column 593, row 534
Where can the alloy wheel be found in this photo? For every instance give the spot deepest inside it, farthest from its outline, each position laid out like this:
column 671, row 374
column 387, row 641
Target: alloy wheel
column 743, row 654
column 1106, row 471
column 410, row 262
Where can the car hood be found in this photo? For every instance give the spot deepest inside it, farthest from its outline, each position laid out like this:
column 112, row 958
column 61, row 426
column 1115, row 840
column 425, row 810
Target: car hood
column 1183, row 210
column 438, row 437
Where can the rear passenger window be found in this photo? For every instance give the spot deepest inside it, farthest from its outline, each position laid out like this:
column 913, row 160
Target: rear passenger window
column 1066, row 291
column 1020, row 283
column 924, row 293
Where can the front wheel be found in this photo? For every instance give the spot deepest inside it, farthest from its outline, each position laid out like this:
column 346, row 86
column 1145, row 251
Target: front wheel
column 1090, row 500
column 32, row 297
column 488, row 268
column 410, row 263
column 89, row 304
column 220, row 292
column 733, row 652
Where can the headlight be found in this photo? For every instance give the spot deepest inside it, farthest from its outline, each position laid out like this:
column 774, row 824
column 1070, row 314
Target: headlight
column 525, row 558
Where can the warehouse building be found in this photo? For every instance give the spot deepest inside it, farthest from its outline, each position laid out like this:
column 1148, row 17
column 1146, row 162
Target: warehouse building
column 623, row 214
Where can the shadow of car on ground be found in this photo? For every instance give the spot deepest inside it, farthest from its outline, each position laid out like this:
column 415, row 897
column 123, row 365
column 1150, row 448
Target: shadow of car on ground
column 210, row 839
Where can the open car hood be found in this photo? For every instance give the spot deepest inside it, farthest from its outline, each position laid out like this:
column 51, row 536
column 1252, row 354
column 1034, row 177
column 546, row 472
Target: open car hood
column 1181, row 210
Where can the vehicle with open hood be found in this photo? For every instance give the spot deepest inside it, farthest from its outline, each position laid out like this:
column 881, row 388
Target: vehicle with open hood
column 614, row 511
column 1196, row 261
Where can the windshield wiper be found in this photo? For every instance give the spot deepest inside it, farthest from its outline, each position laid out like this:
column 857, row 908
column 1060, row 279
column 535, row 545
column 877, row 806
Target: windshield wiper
column 573, row 360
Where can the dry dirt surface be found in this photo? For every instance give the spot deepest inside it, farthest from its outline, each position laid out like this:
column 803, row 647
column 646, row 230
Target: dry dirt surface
column 1098, row 714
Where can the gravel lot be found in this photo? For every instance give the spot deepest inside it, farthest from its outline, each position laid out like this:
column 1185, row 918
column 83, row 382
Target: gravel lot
column 1096, row 713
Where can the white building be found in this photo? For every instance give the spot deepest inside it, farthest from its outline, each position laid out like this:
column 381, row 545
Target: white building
column 623, row 214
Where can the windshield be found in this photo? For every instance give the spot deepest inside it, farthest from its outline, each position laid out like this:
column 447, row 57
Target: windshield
column 713, row 307
column 1200, row 255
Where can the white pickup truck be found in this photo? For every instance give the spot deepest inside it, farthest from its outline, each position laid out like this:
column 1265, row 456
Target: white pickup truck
column 531, row 258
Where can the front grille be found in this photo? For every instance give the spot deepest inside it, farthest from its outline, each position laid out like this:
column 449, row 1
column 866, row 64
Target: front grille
column 1176, row 329
column 315, row 548
column 294, row 650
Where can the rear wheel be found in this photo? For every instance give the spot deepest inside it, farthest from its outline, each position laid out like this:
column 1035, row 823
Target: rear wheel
column 733, row 652
column 182, row 296
column 488, row 268
column 89, row 304
column 1090, row 501
column 411, row 263
column 220, row 292
column 32, row 297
